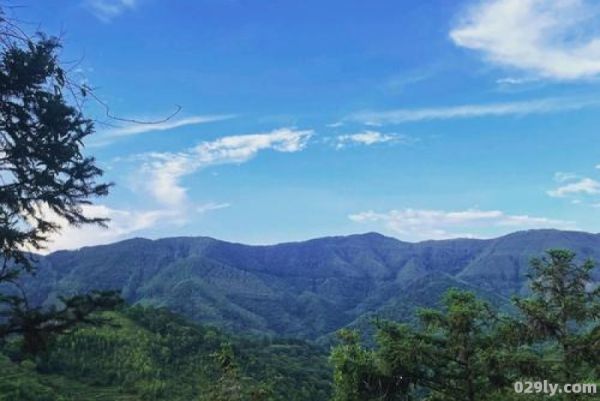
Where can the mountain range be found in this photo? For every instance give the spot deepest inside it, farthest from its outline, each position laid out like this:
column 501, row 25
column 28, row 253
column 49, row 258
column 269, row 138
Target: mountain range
column 304, row 289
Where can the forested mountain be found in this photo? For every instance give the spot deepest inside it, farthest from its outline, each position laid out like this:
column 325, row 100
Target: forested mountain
column 305, row 289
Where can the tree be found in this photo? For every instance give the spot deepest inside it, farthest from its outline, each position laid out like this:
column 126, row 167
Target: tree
column 232, row 385
column 38, row 326
column 467, row 351
column 360, row 376
column 563, row 311
column 454, row 353
column 45, row 178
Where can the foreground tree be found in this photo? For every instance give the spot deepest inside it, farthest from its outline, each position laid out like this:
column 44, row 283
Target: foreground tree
column 359, row 375
column 467, row 351
column 454, row 353
column 45, row 179
column 564, row 311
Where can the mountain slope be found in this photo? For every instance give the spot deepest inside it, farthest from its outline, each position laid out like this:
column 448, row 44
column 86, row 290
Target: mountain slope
column 305, row 289
column 148, row 354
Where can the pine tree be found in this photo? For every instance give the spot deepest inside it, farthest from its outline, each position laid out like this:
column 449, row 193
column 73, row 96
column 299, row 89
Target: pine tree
column 563, row 313
column 45, row 178
column 457, row 348
column 359, row 374
column 232, row 384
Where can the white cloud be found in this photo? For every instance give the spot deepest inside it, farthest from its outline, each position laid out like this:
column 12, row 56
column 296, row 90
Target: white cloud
column 211, row 206
column 422, row 224
column 539, row 106
column 562, row 176
column 365, row 138
column 576, row 186
column 554, row 39
column 106, row 10
column 515, row 81
column 162, row 172
column 108, row 137
column 122, row 224
column 398, row 83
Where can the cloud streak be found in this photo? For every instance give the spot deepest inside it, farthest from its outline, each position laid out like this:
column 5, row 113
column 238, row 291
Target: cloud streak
column 422, row 224
column 553, row 39
column 162, row 172
column 122, row 224
column 108, row 137
column 366, row 138
column 575, row 186
column 539, row 106
column 107, row 10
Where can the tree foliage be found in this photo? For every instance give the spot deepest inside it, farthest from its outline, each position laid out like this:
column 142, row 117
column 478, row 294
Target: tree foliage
column 149, row 354
column 45, row 179
column 359, row 376
column 564, row 312
column 468, row 351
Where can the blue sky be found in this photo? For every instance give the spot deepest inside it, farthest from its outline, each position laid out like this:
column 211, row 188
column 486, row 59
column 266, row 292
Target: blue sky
column 419, row 120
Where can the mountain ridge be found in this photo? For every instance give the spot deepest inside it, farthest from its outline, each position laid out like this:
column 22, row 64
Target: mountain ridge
column 306, row 289
column 328, row 237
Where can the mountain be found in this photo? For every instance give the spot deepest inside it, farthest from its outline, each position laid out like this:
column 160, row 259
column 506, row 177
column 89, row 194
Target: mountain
column 303, row 289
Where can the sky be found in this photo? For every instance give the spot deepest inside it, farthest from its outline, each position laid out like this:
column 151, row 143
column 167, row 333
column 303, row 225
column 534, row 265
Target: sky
column 416, row 119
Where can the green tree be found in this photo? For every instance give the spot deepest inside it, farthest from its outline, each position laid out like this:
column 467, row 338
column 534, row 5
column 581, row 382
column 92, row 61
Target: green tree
column 359, row 374
column 232, row 384
column 464, row 351
column 467, row 351
column 457, row 355
column 562, row 314
column 45, row 178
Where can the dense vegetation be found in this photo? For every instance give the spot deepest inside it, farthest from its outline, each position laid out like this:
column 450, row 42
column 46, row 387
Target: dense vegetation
column 464, row 349
column 46, row 180
column 467, row 351
column 149, row 354
column 307, row 289
column 65, row 336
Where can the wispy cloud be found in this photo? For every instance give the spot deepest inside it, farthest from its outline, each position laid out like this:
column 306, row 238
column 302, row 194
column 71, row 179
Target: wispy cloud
column 366, row 138
column 398, row 83
column 122, row 224
column 421, row 224
column 514, row 81
column 538, row 106
column 563, row 176
column 162, row 172
column 110, row 136
column 574, row 185
column 207, row 207
column 554, row 39
column 106, row 10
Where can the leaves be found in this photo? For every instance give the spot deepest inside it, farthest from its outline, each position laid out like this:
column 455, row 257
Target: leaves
column 467, row 351
column 45, row 178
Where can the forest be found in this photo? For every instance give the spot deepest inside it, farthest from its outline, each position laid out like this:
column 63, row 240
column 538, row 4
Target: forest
column 105, row 344
column 463, row 350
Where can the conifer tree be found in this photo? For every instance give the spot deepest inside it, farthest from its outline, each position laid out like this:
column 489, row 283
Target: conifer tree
column 563, row 313
column 232, row 384
column 45, row 178
column 361, row 375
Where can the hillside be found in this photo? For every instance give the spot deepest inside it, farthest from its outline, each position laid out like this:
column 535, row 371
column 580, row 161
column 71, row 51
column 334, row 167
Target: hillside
column 305, row 289
column 148, row 354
